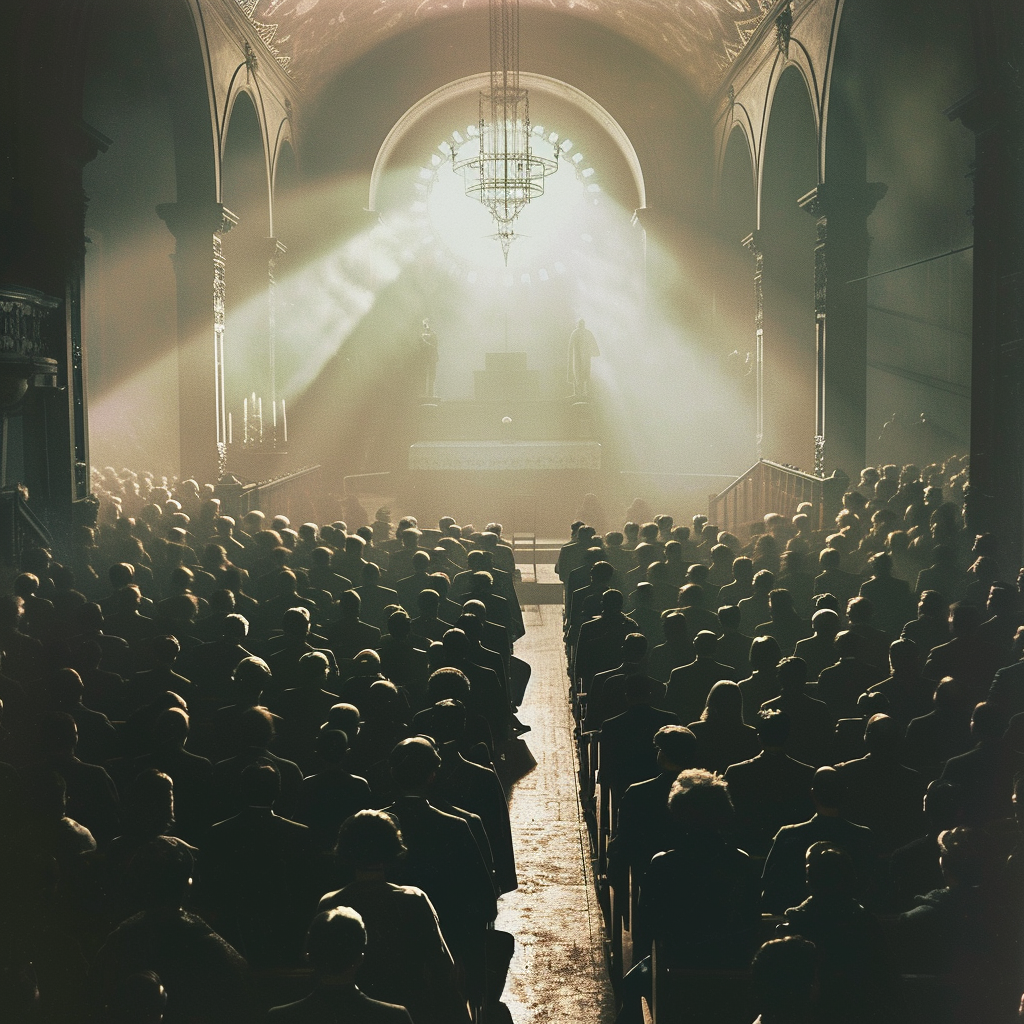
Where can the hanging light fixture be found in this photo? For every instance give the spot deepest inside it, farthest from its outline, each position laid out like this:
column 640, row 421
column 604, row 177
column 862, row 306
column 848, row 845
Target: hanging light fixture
column 505, row 174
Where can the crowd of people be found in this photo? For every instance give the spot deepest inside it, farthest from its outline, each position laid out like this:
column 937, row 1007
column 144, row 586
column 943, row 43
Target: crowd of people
column 812, row 735
column 246, row 768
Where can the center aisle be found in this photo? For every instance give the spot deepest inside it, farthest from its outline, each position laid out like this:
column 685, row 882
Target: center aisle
column 559, row 972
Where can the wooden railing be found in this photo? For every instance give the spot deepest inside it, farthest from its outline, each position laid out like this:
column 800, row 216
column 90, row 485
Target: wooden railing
column 298, row 495
column 770, row 487
column 20, row 528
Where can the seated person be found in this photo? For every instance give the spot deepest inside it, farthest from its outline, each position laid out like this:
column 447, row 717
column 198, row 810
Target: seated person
column 335, row 946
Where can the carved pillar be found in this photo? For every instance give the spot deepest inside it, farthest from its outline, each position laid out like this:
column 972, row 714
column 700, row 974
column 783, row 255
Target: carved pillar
column 199, row 269
column 841, row 249
column 997, row 360
column 753, row 243
column 276, row 252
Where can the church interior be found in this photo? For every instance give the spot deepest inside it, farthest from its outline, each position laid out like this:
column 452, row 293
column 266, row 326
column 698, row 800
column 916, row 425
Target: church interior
column 621, row 264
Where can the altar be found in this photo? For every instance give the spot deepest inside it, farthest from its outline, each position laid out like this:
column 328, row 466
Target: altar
column 504, row 456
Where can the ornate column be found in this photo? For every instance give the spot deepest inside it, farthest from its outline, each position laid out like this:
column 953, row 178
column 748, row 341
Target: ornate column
column 277, row 251
column 997, row 361
column 753, row 244
column 841, row 249
column 199, row 270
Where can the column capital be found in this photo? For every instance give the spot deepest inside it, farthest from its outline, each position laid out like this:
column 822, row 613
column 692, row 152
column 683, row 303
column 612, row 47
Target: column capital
column 184, row 219
column 857, row 200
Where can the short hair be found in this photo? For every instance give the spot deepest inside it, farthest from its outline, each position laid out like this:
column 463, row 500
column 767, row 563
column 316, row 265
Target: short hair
column 784, row 972
column 260, row 785
column 765, row 653
column 413, row 761
column 729, row 616
column 700, row 799
column 336, row 940
column 824, row 618
column 828, row 787
column 368, row 839
column 676, row 743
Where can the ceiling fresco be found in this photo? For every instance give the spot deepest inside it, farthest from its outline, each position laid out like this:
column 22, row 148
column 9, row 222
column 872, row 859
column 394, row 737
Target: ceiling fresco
column 315, row 39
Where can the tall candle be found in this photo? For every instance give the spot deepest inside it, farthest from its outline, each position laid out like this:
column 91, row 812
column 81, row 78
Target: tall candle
column 275, row 417
column 260, row 401
column 284, row 421
column 245, row 421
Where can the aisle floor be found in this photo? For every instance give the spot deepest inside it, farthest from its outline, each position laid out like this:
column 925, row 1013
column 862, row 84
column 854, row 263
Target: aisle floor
column 559, row 972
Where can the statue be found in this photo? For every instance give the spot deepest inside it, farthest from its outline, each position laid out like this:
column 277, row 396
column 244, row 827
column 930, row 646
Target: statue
column 428, row 355
column 582, row 348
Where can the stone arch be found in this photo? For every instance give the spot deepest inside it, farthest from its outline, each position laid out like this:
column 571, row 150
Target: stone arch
column 789, row 170
column 473, row 84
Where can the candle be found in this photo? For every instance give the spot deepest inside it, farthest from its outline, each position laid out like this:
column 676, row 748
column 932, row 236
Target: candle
column 275, row 417
column 284, row 421
column 245, row 420
column 231, row 437
column 260, row 401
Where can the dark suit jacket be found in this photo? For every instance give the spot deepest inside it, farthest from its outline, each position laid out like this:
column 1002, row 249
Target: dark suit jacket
column 768, row 792
column 329, row 1006
column 689, row 686
column 644, row 828
column 627, row 745
column 445, row 862
column 784, row 882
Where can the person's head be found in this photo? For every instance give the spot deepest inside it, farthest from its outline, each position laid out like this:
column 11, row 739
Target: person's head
column 335, row 944
column 256, row 728
column 673, row 625
column 859, row 611
column 729, row 617
column 414, row 763
column 349, row 604
column 773, row 728
column 675, row 746
column 399, row 624
column 699, row 801
column 171, row 728
column 784, row 973
column 743, row 569
column 904, row 657
column 828, row 790
column 343, row 716
column 831, row 875
column 704, row 644
column 611, row 602
column 825, row 623
column 235, row 627
column 964, row 619
column 943, row 804
column 295, row 623
column 881, row 564
column 66, row 688
column 448, row 684
column 882, row 736
column 988, row 722
column 763, row 581
column 149, row 803
column 932, row 604
column 369, row 841
column 724, row 704
column 848, row 644
column 765, row 654
column 965, row 856
column 249, row 678
column 634, row 648
column 780, row 602
column 428, row 602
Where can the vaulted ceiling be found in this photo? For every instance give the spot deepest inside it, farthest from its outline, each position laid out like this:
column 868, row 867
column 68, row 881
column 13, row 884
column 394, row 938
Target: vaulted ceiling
column 316, row 39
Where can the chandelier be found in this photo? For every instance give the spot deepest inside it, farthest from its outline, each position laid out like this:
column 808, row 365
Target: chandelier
column 505, row 174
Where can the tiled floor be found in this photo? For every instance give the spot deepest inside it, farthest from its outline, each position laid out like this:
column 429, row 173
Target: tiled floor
column 558, row 973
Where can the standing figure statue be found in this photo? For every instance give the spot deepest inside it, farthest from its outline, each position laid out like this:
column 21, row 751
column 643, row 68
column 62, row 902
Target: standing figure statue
column 582, row 348
column 428, row 354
